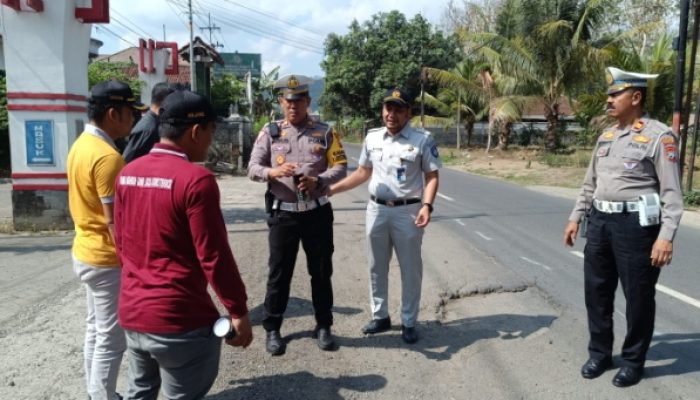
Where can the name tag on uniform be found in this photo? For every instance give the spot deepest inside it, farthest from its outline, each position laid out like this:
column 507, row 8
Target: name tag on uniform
column 401, row 174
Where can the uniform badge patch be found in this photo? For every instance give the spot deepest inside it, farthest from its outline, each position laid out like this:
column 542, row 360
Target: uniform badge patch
column 638, row 126
column 283, row 134
column 671, row 152
column 434, row 151
column 608, row 135
column 602, row 151
column 280, row 160
column 668, row 140
column 641, row 139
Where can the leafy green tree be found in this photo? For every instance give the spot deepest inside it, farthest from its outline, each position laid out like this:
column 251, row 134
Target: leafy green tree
column 263, row 94
column 103, row 71
column 388, row 50
column 225, row 91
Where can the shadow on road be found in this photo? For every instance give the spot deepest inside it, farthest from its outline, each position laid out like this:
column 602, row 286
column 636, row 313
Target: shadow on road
column 297, row 307
column 682, row 348
column 440, row 341
column 299, row 385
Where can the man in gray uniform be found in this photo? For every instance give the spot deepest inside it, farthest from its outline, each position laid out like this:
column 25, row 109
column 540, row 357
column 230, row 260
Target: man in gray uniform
column 299, row 158
column 632, row 200
column 403, row 165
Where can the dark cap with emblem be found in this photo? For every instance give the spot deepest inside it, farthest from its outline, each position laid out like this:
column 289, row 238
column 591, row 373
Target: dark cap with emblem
column 397, row 96
column 293, row 87
column 619, row 80
column 184, row 107
column 114, row 93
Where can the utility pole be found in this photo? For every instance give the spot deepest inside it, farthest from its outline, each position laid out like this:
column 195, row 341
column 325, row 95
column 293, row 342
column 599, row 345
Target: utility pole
column 212, row 28
column 193, row 82
column 680, row 67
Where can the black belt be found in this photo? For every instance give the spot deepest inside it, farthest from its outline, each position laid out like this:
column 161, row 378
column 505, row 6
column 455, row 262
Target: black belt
column 394, row 202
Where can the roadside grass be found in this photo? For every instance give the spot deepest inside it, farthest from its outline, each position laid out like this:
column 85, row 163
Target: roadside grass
column 6, row 227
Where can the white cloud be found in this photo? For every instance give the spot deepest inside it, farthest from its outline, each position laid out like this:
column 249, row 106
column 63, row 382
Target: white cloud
column 314, row 15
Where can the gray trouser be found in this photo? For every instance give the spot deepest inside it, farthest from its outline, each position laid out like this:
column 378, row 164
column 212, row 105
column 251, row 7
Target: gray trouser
column 390, row 228
column 184, row 366
column 104, row 339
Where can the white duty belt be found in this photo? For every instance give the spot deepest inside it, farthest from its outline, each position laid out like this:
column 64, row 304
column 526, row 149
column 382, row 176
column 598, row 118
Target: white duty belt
column 300, row 206
column 615, row 207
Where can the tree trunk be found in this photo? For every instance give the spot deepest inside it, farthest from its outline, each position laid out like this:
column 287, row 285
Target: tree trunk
column 551, row 139
column 469, row 127
column 504, row 136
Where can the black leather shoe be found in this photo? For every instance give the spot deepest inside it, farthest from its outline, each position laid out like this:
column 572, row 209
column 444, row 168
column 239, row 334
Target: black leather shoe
column 274, row 343
column 409, row 335
column 628, row 376
column 594, row 368
column 324, row 338
column 377, row 326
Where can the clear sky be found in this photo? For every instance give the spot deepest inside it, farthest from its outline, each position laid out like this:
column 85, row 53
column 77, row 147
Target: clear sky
column 289, row 34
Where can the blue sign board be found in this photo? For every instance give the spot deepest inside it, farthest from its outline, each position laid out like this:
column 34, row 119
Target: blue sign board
column 40, row 142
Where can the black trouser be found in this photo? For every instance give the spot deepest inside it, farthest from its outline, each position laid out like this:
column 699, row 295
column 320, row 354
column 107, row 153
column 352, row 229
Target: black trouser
column 315, row 231
column 619, row 248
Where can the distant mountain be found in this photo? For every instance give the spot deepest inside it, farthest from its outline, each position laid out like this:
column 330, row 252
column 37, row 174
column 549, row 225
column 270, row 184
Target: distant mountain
column 315, row 92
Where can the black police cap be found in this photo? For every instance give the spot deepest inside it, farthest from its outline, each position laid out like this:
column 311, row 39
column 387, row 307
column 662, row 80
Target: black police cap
column 397, row 96
column 184, row 107
column 115, row 92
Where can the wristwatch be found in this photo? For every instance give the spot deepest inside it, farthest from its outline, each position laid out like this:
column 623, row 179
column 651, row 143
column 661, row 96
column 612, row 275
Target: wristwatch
column 430, row 207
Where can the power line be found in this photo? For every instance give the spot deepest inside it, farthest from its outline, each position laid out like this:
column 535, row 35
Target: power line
column 267, row 14
column 259, row 31
column 100, row 27
column 124, row 26
column 276, row 23
column 255, row 27
column 125, row 18
column 172, row 6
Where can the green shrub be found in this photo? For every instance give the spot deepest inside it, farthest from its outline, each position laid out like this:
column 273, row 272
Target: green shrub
column 692, row 198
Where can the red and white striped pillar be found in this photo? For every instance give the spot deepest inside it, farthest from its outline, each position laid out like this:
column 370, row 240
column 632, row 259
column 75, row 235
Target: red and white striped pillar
column 46, row 45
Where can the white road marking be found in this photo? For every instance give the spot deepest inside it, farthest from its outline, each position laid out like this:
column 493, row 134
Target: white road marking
column 536, row 263
column 577, row 253
column 678, row 295
column 459, row 222
column 483, row 236
column 620, row 313
column 448, row 198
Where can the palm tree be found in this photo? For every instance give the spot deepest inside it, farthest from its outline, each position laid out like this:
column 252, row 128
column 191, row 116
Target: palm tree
column 548, row 54
column 461, row 99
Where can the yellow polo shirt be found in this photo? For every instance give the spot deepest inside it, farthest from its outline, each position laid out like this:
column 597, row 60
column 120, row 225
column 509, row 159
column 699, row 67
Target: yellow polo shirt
column 93, row 165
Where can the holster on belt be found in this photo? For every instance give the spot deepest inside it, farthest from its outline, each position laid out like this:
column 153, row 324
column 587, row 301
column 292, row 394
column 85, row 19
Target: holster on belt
column 269, row 200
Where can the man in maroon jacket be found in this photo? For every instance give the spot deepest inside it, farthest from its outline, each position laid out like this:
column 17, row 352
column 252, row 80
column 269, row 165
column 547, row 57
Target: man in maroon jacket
column 172, row 242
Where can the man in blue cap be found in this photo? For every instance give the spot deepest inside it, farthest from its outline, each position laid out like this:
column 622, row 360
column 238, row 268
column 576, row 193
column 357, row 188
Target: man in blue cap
column 402, row 165
column 632, row 200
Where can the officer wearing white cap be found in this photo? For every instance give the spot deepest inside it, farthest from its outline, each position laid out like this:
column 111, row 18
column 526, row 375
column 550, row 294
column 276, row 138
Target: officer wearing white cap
column 632, row 202
column 403, row 164
column 299, row 158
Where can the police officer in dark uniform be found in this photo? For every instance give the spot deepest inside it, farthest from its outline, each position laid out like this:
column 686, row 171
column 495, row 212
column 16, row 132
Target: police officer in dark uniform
column 632, row 200
column 299, row 158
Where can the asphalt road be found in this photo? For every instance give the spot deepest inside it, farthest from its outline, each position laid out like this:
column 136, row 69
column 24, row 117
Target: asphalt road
column 522, row 230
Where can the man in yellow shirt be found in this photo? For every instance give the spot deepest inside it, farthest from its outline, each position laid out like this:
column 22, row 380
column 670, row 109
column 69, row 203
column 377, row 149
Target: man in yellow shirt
column 93, row 165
